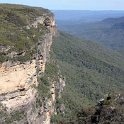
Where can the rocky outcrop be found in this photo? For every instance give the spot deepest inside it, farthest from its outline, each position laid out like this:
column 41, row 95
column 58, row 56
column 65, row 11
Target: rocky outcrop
column 47, row 21
column 108, row 110
column 18, row 81
column 56, row 91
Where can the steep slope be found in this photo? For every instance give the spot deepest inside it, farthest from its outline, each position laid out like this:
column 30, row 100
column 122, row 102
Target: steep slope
column 32, row 83
column 90, row 71
column 27, row 83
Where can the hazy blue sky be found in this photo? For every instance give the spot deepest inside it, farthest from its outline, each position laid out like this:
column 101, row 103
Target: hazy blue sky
column 73, row 4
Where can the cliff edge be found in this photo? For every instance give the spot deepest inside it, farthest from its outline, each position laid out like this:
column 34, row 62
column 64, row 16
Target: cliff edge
column 25, row 39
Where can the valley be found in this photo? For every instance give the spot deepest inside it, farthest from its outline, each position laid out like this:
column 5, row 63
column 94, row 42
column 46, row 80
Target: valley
column 71, row 72
column 105, row 27
column 90, row 72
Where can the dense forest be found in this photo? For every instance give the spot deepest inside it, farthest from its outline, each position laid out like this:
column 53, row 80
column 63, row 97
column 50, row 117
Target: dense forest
column 91, row 71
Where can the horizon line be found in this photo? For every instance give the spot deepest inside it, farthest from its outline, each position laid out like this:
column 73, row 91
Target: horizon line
column 64, row 9
column 83, row 10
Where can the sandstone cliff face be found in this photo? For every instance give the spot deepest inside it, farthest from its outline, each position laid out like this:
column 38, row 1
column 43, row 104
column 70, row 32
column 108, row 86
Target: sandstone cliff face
column 19, row 81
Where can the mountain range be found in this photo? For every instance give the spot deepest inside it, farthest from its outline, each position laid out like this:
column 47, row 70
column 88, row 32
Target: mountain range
column 107, row 31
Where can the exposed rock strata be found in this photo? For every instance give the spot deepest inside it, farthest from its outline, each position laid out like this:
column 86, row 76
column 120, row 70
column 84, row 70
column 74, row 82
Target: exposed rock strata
column 18, row 80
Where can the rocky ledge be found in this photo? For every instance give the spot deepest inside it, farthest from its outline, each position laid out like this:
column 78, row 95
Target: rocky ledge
column 20, row 67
